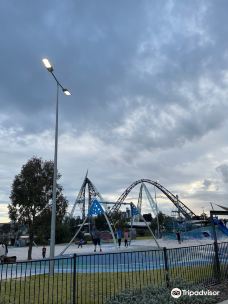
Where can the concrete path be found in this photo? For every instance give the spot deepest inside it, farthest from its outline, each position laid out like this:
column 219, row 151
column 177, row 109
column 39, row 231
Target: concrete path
column 146, row 244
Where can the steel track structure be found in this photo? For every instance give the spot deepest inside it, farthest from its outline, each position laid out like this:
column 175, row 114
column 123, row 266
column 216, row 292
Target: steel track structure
column 152, row 203
column 81, row 199
column 182, row 208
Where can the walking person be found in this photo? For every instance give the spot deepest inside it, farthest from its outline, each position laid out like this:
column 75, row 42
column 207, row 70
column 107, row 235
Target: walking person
column 126, row 238
column 44, row 250
column 81, row 241
column 130, row 237
column 96, row 237
column 178, row 237
column 119, row 236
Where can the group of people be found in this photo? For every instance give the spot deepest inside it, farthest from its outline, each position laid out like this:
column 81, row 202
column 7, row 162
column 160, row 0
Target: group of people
column 96, row 238
column 120, row 235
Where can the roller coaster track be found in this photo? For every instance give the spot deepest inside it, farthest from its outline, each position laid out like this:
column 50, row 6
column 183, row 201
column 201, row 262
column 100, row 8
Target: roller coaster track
column 182, row 208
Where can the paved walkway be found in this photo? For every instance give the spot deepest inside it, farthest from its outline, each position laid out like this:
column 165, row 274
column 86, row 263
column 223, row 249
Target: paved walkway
column 224, row 302
column 146, row 244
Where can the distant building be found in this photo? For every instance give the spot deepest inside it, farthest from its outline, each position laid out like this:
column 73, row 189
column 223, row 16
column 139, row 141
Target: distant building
column 139, row 224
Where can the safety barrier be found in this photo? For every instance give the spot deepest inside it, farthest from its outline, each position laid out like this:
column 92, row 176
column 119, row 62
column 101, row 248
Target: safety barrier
column 93, row 278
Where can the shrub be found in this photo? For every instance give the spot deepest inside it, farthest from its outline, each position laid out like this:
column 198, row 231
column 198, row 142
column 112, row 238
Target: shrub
column 162, row 295
column 140, row 232
column 2, row 300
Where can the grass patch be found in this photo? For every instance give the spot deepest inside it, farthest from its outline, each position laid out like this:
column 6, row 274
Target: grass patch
column 90, row 287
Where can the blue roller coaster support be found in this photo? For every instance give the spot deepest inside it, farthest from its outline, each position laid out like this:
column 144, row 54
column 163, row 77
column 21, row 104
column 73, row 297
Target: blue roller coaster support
column 220, row 225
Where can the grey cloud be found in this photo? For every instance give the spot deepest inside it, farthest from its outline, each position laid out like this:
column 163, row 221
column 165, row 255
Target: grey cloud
column 149, row 128
column 91, row 50
column 207, row 183
column 223, row 169
column 95, row 50
column 148, row 82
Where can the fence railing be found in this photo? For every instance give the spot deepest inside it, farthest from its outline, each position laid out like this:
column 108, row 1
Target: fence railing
column 94, row 278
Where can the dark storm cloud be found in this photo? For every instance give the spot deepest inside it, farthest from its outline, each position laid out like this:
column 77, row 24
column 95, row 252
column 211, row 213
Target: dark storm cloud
column 114, row 58
column 90, row 43
column 99, row 50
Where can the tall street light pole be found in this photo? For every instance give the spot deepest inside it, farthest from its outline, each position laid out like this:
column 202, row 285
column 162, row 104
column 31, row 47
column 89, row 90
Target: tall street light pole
column 50, row 69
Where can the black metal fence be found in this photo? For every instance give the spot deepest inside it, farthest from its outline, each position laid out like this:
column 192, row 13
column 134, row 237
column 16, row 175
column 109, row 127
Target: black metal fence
column 96, row 277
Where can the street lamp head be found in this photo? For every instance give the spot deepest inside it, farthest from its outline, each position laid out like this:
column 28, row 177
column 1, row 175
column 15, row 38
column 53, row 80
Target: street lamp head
column 47, row 65
column 66, row 92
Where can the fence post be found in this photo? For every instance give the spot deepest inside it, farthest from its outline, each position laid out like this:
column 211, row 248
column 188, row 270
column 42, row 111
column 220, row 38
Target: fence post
column 74, row 279
column 166, row 266
column 217, row 263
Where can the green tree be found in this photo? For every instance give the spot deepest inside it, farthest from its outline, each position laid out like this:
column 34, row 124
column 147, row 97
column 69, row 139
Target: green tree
column 118, row 220
column 165, row 222
column 67, row 229
column 30, row 195
column 101, row 223
column 147, row 217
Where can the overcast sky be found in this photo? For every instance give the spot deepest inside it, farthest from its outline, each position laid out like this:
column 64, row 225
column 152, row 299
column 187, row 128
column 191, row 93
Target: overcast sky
column 149, row 83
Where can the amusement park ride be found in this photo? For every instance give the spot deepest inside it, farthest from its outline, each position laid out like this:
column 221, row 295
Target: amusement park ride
column 92, row 203
column 93, row 193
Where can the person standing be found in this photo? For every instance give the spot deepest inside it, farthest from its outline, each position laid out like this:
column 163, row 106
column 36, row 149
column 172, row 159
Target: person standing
column 81, row 241
column 44, row 252
column 130, row 237
column 126, row 238
column 96, row 237
column 178, row 237
column 119, row 236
